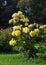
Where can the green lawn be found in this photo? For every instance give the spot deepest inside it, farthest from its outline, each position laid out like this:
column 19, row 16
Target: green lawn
column 18, row 59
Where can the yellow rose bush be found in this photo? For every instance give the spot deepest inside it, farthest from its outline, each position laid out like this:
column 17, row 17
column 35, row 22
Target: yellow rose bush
column 26, row 33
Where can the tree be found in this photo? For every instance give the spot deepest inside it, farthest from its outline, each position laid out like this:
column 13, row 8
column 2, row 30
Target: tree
column 24, row 5
column 35, row 8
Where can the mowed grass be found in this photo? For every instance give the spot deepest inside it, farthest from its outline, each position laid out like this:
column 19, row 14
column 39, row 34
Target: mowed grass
column 18, row 59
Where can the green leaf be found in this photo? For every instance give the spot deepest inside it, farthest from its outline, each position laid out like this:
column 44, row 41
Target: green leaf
column 36, row 46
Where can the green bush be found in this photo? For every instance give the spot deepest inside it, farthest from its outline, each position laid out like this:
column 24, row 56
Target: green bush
column 5, row 36
column 28, row 36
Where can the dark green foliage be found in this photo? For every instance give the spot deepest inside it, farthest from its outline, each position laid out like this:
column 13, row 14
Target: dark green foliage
column 37, row 7
column 34, row 9
column 5, row 36
column 41, row 49
column 35, row 47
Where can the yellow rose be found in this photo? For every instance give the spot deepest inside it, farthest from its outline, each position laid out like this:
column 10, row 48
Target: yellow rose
column 14, row 15
column 36, row 31
column 17, row 33
column 16, row 28
column 21, row 25
column 41, row 27
column 20, row 13
column 45, row 26
column 35, row 24
column 25, row 30
column 13, row 33
column 12, row 21
column 30, row 25
column 26, row 24
column 21, row 17
column 24, row 20
column 31, row 33
column 16, row 19
column 12, row 42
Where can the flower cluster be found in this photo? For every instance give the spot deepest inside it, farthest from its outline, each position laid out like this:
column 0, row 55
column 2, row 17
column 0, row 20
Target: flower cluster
column 34, row 33
column 18, row 17
column 21, row 26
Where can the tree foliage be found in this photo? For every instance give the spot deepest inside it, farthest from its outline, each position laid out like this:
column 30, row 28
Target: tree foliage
column 36, row 9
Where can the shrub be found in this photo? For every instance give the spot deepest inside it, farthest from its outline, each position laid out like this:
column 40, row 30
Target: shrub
column 30, row 35
column 5, row 36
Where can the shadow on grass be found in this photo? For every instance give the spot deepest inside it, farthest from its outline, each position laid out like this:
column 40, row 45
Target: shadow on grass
column 10, row 52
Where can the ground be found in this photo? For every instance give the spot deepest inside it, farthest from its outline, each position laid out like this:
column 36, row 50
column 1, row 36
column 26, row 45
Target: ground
column 18, row 59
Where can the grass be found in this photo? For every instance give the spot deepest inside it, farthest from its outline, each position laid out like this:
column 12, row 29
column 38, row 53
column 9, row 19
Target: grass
column 18, row 59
